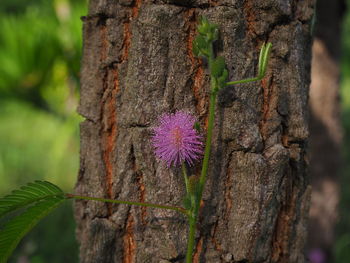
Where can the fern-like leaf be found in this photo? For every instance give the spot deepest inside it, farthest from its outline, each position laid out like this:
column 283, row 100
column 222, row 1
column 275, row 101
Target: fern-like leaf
column 37, row 199
column 15, row 229
column 28, row 194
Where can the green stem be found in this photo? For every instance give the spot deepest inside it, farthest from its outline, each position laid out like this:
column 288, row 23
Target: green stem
column 205, row 165
column 184, row 172
column 196, row 200
column 195, row 210
column 191, row 236
column 175, row 208
column 243, row 81
column 211, row 56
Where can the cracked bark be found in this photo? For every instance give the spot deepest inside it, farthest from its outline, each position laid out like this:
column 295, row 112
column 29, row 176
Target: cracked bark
column 137, row 63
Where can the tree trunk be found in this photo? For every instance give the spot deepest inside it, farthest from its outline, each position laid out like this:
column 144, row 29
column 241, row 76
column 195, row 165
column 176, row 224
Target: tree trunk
column 138, row 64
column 325, row 127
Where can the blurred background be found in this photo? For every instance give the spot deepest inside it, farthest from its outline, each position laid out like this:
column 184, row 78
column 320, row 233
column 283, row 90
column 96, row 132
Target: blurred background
column 40, row 50
column 342, row 244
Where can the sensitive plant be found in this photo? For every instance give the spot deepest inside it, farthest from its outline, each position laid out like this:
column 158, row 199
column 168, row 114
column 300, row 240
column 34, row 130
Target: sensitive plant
column 176, row 140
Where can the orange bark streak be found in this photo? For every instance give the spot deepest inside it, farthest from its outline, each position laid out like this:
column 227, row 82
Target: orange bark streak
column 196, row 67
column 127, row 29
column 110, row 132
column 198, row 250
column 250, row 17
column 129, row 241
column 142, row 199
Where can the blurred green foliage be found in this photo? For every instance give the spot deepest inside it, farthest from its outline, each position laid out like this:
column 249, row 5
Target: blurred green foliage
column 51, row 241
column 40, row 51
column 342, row 246
column 36, row 145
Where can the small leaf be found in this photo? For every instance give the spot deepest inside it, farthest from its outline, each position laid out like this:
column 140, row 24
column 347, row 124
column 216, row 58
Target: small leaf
column 16, row 228
column 203, row 29
column 213, row 33
column 195, row 49
column 187, row 202
column 218, row 66
column 201, row 43
column 203, row 21
column 200, row 46
column 265, row 58
column 262, row 51
column 213, row 27
column 222, row 79
column 216, row 34
column 28, row 194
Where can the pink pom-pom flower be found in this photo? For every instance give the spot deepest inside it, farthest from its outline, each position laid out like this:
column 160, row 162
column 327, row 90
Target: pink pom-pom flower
column 175, row 140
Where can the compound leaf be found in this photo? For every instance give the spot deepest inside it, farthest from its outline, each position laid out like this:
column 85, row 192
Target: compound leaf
column 17, row 227
column 28, row 194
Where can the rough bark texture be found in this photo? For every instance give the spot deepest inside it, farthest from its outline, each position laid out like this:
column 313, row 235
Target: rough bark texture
column 325, row 128
column 138, row 64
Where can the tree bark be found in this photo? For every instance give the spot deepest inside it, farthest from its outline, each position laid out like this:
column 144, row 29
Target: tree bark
column 137, row 64
column 325, row 126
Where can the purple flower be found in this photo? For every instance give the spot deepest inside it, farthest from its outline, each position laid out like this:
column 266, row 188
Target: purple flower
column 175, row 140
column 316, row 255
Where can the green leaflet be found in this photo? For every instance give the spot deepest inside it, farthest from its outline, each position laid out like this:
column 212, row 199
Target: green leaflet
column 264, row 59
column 218, row 67
column 28, row 194
column 187, row 202
column 222, row 79
column 16, row 228
column 39, row 199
